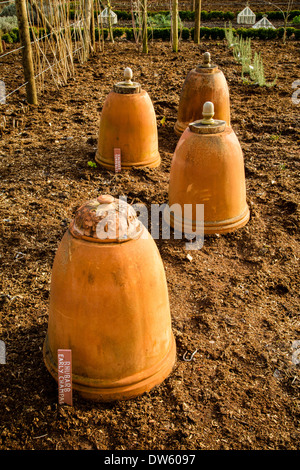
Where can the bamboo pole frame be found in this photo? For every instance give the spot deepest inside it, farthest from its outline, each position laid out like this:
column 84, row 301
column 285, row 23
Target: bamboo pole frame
column 197, row 22
column 31, row 93
column 175, row 25
column 144, row 26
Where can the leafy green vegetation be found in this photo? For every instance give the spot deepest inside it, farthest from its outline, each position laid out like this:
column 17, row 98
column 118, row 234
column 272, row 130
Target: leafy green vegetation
column 207, row 15
column 161, row 21
column 186, row 33
column 257, row 74
column 8, row 23
column 9, row 10
column 253, row 66
column 160, row 26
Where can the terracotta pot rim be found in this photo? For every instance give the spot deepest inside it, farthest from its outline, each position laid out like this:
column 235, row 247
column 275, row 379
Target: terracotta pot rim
column 151, row 162
column 179, row 128
column 210, row 227
column 128, row 96
column 107, row 241
column 125, row 388
column 134, row 89
column 198, row 127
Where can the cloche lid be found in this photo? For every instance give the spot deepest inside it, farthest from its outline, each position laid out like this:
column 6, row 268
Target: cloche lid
column 106, row 219
column 127, row 86
column 207, row 125
column 206, row 65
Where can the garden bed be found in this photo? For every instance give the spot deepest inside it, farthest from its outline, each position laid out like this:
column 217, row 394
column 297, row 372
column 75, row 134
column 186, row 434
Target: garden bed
column 236, row 301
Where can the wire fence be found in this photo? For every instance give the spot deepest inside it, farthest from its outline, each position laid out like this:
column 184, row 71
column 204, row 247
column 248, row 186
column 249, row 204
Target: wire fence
column 65, row 42
column 32, row 42
column 10, row 52
column 36, row 76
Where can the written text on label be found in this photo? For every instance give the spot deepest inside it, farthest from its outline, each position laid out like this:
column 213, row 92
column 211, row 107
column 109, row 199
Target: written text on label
column 64, row 366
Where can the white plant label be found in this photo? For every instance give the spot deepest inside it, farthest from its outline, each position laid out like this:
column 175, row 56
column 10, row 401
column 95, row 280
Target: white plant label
column 64, row 365
column 117, row 157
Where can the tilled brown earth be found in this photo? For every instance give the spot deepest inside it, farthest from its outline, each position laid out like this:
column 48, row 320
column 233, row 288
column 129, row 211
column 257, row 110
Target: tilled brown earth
column 236, row 301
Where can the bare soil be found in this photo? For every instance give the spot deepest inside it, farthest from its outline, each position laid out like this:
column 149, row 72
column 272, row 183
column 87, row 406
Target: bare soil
column 208, row 5
column 236, row 302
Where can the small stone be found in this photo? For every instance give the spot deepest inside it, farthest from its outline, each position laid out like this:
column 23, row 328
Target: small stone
column 185, row 407
column 105, row 199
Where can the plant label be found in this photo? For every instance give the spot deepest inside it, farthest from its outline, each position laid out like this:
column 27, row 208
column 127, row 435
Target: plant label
column 117, row 156
column 64, row 365
column 2, row 353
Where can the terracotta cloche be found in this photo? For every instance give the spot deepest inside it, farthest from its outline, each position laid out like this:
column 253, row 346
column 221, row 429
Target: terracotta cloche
column 109, row 304
column 208, row 169
column 128, row 123
column 204, row 83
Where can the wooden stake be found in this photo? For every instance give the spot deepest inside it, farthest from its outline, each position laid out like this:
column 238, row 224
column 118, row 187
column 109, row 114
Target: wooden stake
column 110, row 29
column 26, row 51
column 144, row 26
column 175, row 25
column 42, row 17
column 93, row 39
column 87, row 28
column 197, row 22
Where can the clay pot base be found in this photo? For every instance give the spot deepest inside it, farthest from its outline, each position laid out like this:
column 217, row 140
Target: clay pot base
column 223, row 226
column 124, row 389
column 153, row 162
column 180, row 127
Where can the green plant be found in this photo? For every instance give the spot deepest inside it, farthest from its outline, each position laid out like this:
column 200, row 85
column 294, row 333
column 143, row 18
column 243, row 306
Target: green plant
column 162, row 21
column 9, row 10
column 246, row 81
column 7, row 38
column 165, row 33
column 241, row 48
column 274, row 136
column 33, row 33
column 242, row 53
column 187, row 15
column 277, row 15
column 122, row 15
column 257, row 73
column 16, row 34
column 229, row 34
column 204, row 32
column 92, row 164
column 130, row 33
column 185, row 33
column 161, row 33
column 118, row 32
column 8, row 23
column 217, row 33
column 13, row 36
column 296, row 19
